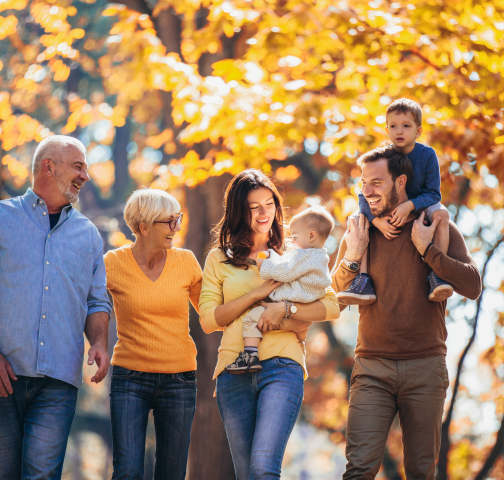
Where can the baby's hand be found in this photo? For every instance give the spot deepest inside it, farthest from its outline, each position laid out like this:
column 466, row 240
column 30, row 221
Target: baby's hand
column 401, row 213
column 261, row 256
column 383, row 224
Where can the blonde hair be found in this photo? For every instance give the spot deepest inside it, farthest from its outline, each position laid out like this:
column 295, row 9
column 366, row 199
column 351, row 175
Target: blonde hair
column 149, row 205
column 316, row 218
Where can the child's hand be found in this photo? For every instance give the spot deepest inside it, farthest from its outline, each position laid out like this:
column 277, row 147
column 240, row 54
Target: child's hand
column 401, row 212
column 383, row 224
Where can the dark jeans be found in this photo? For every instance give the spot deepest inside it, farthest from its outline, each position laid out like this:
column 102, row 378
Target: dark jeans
column 172, row 397
column 35, row 423
column 259, row 411
column 380, row 389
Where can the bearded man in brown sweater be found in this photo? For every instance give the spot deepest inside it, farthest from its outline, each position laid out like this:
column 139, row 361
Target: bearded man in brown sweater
column 400, row 354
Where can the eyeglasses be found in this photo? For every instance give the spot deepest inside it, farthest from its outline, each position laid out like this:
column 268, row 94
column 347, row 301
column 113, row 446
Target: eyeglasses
column 173, row 223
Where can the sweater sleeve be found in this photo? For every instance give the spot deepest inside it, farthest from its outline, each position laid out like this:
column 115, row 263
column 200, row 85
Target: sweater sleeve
column 341, row 275
column 195, row 287
column 108, row 259
column 432, row 187
column 211, row 293
column 331, row 304
column 364, row 208
column 289, row 267
column 457, row 267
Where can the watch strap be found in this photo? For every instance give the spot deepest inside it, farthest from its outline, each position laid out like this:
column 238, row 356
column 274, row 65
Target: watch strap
column 348, row 263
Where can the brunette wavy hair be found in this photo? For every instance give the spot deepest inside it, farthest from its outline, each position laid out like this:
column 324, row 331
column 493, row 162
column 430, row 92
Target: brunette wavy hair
column 233, row 234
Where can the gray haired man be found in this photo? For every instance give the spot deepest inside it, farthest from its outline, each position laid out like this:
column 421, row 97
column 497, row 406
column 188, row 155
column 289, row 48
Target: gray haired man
column 52, row 289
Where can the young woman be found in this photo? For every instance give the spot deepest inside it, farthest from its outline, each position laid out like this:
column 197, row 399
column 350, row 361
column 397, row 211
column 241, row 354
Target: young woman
column 155, row 357
column 258, row 409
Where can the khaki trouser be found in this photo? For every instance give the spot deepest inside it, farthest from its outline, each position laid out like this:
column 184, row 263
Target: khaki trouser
column 250, row 329
column 416, row 389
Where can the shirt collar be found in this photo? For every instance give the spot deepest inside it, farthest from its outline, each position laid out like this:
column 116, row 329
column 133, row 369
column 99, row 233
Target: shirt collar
column 34, row 201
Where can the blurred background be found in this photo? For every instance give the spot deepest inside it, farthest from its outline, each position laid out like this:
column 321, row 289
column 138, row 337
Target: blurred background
column 183, row 95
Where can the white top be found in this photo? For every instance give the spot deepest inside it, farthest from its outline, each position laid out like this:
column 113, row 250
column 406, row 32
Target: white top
column 305, row 273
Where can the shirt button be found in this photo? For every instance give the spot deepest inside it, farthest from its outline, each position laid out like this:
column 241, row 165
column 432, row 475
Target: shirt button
column 41, row 201
column 47, row 263
column 34, row 205
column 42, row 343
column 48, row 236
column 47, row 288
column 44, row 213
column 43, row 316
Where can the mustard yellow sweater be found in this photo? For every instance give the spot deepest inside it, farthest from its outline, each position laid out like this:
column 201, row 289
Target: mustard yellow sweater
column 153, row 317
column 224, row 283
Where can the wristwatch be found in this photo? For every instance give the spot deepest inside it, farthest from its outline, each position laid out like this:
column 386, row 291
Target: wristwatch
column 290, row 309
column 354, row 266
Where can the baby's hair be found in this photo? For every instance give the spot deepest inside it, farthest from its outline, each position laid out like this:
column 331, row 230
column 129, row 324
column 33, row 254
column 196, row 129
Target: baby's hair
column 316, row 218
column 405, row 105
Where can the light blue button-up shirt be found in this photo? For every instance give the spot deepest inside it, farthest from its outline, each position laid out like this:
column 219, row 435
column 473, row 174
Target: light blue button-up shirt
column 50, row 281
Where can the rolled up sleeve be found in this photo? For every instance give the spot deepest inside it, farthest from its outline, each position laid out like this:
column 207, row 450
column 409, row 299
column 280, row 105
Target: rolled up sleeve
column 211, row 294
column 331, row 304
column 98, row 299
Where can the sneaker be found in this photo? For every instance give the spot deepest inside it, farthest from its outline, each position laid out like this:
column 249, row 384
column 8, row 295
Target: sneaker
column 361, row 292
column 439, row 289
column 245, row 363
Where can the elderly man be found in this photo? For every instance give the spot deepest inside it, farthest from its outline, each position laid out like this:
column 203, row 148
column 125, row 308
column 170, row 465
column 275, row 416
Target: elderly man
column 52, row 289
column 400, row 354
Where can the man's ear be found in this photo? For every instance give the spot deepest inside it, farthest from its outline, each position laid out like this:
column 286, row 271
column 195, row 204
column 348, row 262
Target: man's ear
column 47, row 166
column 401, row 182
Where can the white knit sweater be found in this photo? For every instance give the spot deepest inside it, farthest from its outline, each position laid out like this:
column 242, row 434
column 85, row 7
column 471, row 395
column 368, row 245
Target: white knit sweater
column 305, row 273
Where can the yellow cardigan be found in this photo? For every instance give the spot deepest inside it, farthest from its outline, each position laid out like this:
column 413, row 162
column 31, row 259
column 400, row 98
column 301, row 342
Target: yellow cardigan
column 223, row 283
column 153, row 317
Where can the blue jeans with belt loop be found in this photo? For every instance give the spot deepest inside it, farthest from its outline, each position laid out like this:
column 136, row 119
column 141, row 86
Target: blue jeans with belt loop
column 172, row 397
column 35, row 422
column 259, row 411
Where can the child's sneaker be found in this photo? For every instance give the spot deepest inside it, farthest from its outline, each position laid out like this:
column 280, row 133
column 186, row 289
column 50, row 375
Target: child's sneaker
column 439, row 289
column 245, row 363
column 361, row 292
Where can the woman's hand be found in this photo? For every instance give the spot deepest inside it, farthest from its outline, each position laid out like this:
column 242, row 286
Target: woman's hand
column 272, row 316
column 265, row 289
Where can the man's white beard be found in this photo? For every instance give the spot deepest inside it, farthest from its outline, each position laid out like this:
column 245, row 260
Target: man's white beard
column 64, row 187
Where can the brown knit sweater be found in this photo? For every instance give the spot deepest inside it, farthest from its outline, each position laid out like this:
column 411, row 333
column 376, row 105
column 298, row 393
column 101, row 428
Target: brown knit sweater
column 403, row 323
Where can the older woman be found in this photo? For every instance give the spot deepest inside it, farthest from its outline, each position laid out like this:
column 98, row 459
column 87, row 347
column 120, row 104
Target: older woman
column 258, row 409
column 155, row 357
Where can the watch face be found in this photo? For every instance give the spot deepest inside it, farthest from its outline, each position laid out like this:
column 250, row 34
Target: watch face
column 354, row 266
column 293, row 309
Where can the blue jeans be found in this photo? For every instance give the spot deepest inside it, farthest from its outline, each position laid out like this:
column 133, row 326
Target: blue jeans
column 35, row 423
column 172, row 397
column 259, row 411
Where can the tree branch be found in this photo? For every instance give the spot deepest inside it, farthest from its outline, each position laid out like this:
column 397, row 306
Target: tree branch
column 445, row 429
column 497, row 450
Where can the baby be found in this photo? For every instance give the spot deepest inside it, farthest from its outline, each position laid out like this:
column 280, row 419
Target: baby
column 305, row 274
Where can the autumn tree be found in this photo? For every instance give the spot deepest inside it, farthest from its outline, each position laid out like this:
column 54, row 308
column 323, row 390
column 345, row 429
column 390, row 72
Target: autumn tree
column 182, row 95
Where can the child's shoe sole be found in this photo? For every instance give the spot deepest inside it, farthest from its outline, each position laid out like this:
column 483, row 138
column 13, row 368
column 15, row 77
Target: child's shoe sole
column 349, row 299
column 441, row 293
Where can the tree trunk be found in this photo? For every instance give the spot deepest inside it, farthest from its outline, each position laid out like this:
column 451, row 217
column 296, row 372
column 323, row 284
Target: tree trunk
column 209, row 455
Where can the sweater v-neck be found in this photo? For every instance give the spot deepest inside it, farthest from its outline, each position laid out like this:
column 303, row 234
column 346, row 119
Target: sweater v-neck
column 143, row 274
